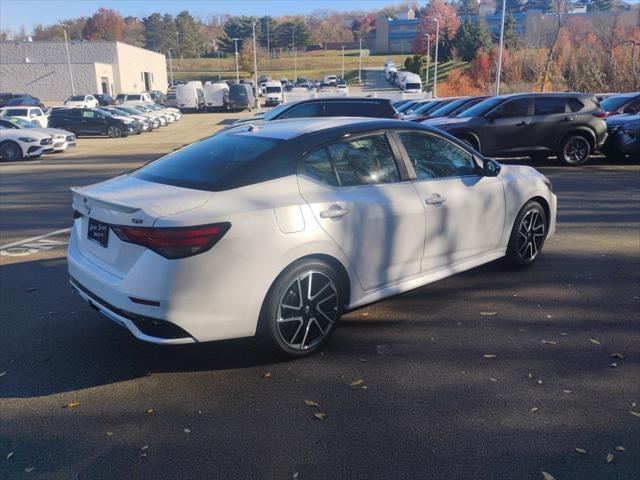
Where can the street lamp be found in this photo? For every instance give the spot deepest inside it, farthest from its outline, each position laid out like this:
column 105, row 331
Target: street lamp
column 295, row 53
column 360, row 64
column 426, row 73
column 255, row 64
column 235, row 41
column 170, row 65
column 66, row 44
column 499, row 66
column 342, row 62
column 435, row 70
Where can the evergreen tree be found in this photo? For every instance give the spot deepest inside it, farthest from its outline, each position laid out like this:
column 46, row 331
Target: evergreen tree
column 190, row 38
column 298, row 39
column 235, row 27
column 266, row 25
column 468, row 7
column 511, row 37
column 159, row 32
column 471, row 38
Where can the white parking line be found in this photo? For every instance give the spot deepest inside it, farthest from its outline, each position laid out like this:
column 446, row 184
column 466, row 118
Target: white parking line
column 35, row 239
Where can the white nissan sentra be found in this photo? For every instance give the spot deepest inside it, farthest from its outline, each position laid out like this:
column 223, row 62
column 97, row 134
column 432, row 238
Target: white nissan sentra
column 276, row 229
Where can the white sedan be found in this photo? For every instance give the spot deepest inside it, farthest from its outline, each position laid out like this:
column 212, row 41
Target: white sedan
column 17, row 144
column 82, row 101
column 62, row 139
column 277, row 229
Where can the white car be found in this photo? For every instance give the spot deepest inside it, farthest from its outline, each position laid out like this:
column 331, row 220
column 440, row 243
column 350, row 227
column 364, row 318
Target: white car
column 17, row 144
column 342, row 90
column 62, row 139
column 32, row 114
column 277, row 229
column 82, row 101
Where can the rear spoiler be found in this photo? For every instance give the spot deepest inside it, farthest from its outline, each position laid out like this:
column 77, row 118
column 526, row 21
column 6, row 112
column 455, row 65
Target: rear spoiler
column 88, row 201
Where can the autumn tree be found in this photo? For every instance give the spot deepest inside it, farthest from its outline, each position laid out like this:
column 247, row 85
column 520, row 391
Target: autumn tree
column 448, row 21
column 105, row 24
column 133, row 33
column 329, row 27
column 458, row 84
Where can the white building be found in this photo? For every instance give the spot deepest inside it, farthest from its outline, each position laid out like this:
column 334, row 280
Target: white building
column 42, row 70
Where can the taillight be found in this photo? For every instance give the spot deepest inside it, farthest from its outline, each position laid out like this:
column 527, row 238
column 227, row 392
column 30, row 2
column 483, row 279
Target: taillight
column 601, row 114
column 174, row 242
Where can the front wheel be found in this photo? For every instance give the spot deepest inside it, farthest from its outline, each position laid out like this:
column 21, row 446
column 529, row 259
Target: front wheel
column 10, row 152
column 302, row 309
column 575, row 150
column 527, row 236
column 114, row 131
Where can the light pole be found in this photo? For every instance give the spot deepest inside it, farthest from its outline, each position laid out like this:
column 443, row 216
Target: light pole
column 499, row 66
column 342, row 63
column 235, row 41
column 426, row 73
column 267, row 18
column 66, row 44
column 295, row 53
column 360, row 65
column 435, row 71
column 170, row 65
column 255, row 65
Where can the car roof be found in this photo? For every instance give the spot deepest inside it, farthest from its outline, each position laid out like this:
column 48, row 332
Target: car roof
column 544, row 94
column 296, row 127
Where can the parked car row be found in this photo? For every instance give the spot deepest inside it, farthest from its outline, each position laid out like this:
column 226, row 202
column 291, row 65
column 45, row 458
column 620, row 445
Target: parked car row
column 20, row 139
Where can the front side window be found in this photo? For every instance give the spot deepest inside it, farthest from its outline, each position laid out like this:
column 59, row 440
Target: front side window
column 435, row 157
column 513, row 108
column 362, row 161
column 88, row 114
column 548, row 105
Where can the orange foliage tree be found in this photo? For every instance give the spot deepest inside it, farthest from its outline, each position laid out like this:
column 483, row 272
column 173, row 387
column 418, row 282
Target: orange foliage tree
column 458, row 83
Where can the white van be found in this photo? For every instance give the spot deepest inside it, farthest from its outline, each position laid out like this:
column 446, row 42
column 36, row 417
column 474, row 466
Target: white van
column 214, row 94
column 273, row 93
column 411, row 83
column 190, row 96
column 331, row 80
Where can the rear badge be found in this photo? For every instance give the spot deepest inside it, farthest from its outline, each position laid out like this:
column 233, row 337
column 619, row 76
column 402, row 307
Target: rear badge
column 137, row 221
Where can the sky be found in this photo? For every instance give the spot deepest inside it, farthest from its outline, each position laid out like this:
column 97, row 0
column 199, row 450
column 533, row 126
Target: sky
column 16, row 13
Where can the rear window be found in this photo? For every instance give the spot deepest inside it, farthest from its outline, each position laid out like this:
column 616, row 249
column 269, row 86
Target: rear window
column 219, row 163
column 615, row 102
column 77, row 98
column 548, row 105
column 358, row 109
column 412, row 86
column 274, row 89
column 15, row 112
column 575, row 105
column 133, row 97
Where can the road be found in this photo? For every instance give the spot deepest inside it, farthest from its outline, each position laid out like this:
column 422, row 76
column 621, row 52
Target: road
column 80, row 398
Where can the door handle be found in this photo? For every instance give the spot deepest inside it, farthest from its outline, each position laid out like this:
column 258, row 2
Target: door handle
column 435, row 199
column 522, row 124
column 567, row 119
column 335, row 211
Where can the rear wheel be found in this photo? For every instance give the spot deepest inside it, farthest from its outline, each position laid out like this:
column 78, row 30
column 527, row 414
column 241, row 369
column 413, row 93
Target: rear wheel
column 575, row 150
column 114, row 131
column 302, row 308
column 527, row 236
column 10, row 152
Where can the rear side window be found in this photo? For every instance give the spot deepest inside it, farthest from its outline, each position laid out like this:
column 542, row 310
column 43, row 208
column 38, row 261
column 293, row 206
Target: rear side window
column 356, row 109
column 548, row 105
column 16, row 112
column 362, row 161
column 133, row 97
column 219, row 163
column 305, row 110
column 575, row 105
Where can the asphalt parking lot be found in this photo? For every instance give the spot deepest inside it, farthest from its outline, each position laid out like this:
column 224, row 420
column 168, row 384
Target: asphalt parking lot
column 493, row 373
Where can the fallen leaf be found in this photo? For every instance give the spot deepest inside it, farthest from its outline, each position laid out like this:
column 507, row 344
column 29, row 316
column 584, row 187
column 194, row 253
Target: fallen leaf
column 150, row 411
column 109, row 434
column 491, row 379
column 529, row 375
column 563, row 334
column 144, row 447
column 619, row 356
column 550, row 342
column 363, row 360
column 548, row 316
column 566, row 391
column 320, row 416
column 29, row 469
column 620, row 448
column 489, row 355
column 365, row 314
column 266, row 375
column 187, row 430
column 614, row 365
column 539, row 382
column 534, row 409
column 357, row 382
column 311, row 403
column 488, row 314
column 548, row 476
column 295, row 476
column 609, row 457
column 9, row 455
column 594, row 341
column 637, row 414
column 73, row 404
column 2, row 374
column 580, row 450
column 143, row 455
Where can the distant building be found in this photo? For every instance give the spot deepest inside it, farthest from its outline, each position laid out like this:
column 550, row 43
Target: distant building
column 394, row 35
column 41, row 68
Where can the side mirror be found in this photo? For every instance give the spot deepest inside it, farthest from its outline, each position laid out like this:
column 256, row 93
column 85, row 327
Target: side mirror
column 491, row 168
column 491, row 116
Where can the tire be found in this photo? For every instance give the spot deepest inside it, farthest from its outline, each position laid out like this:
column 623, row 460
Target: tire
column 114, row 131
column 307, row 324
column 527, row 236
column 10, row 152
column 574, row 150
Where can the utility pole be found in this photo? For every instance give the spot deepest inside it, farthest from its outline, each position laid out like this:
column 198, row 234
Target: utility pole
column 295, row 53
column 342, row 63
column 255, row 65
column 499, row 66
column 235, row 41
column 267, row 17
column 426, row 73
column 435, row 72
column 170, row 65
column 66, row 44
column 360, row 65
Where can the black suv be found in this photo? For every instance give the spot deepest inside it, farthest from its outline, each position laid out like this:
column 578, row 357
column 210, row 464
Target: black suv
column 329, row 107
column 88, row 121
column 569, row 125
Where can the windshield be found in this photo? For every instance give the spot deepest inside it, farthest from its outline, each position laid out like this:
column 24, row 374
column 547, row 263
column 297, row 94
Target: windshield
column 425, row 107
column 406, row 106
column 274, row 89
column 445, row 110
column 212, row 164
column 482, row 107
column 143, row 109
column 117, row 111
column 412, row 86
column 274, row 112
column 613, row 103
column 77, row 98
column 22, row 123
